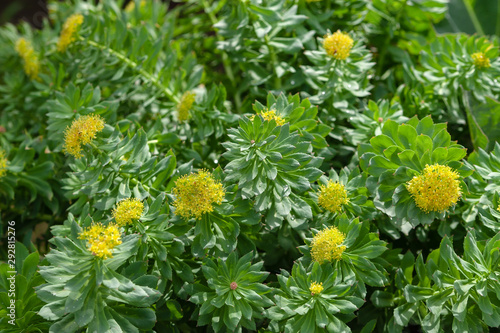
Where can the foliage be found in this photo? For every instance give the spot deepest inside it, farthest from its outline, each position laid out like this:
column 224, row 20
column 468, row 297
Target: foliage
column 299, row 308
column 27, row 303
column 235, row 296
column 399, row 154
column 256, row 165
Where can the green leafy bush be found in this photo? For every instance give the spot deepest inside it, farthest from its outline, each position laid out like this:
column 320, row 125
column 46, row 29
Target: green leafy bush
column 256, row 165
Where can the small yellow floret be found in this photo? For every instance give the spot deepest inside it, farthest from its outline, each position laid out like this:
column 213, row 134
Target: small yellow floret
column 436, row 189
column 196, row 193
column 316, row 288
column 68, row 33
column 498, row 208
column 481, row 60
column 30, row 58
column 271, row 115
column 338, row 45
column 185, row 105
column 327, row 245
column 82, row 131
column 127, row 211
column 102, row 240
column 332, row 196
column 3, row 163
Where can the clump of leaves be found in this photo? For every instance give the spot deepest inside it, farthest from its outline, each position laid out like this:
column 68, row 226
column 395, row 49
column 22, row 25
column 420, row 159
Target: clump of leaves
column 234, row 297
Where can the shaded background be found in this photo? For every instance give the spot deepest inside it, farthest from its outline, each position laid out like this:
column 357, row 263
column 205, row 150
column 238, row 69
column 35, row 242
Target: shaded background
column 32, row 11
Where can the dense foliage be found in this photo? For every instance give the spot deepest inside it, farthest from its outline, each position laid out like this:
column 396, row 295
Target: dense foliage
column 255, row 165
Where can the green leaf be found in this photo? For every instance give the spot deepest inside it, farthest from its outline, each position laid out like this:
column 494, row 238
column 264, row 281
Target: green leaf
column 379, row 165
column 415, row 293
column 403, row 313
column 369, row 327
column 144, row 319
column 382, row 299
column 407, row 135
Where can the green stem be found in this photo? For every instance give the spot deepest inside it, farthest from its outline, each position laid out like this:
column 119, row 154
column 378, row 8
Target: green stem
column 274, row 62
column 473, row 17
column 93, row 145
column 383, row 52
column 147, row 188
column 134, row 66
column 226, row 63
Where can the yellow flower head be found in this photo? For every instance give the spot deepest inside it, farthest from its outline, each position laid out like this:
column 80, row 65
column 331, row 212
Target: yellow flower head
column 338, row 45
column 195, row 194
column 127, row 211
column 81, row 132
column 436, row 189
column 3, row 163
column 316, row 288
column 498, row 208
column 102, row 240
column 481, row 60
column 131, row 5
column 327, row 245
column 185, row 105
column 332, row 196
column 270, row 115
column 68, row 33
column 30, row 58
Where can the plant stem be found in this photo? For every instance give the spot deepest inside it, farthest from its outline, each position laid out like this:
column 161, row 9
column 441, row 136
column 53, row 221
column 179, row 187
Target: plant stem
column 274, row 62
column 383, row 52
column 147, row 188
column 133, row 65
column 473, row 17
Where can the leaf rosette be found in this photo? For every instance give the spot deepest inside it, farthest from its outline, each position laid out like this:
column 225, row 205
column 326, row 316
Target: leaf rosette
column 400, row 155
column 234, row 296
column 342, row 193
column 85, row 291
column 313, row 300
column 339, row 83
column 272, row 166
column 351, row 249
column 471, row 62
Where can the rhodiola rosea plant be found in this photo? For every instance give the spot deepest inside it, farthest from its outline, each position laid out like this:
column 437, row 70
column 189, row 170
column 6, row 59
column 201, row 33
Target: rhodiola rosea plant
column 256, row 165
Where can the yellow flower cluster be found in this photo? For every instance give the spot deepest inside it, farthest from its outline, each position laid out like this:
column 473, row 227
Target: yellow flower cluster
column 30, row 58
column 68, row 32
column 270, row 115
column 102, row 239
column 327, row 245
column 316, row 288
column 436, row 189
column 338, row 45
column 195, row 194
column 131, row 5
column 481, row 60
column 332, row 196
column 498, row 208
column 185, row 105
column 127, row 211
column 81, row 132
column 3, row 163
